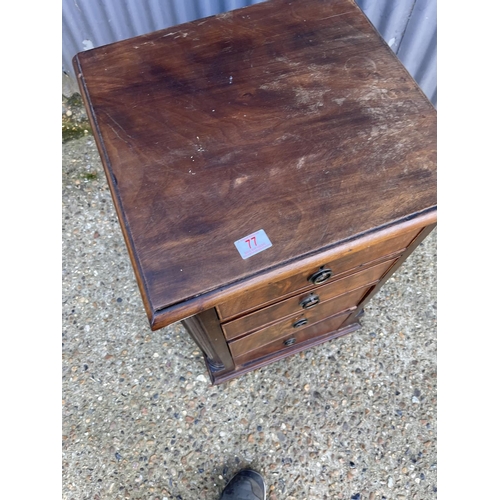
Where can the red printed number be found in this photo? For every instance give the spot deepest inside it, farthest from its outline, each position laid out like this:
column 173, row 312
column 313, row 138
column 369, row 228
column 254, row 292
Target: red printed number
column 250, row 240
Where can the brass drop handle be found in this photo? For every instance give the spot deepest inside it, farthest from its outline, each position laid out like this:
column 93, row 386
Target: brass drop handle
column 320, row 276
column 289, row 342
column 300, row 322
column 309, row 301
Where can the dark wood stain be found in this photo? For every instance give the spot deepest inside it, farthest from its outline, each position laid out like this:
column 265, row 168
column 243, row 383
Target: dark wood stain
column 290, row 116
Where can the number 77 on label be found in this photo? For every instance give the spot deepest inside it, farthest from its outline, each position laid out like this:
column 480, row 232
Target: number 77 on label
column 253, row 244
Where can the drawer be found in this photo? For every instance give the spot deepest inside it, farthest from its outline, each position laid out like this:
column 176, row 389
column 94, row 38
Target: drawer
column 347, row 264
column 292, row 340
column 295, row 323
column 294, row 305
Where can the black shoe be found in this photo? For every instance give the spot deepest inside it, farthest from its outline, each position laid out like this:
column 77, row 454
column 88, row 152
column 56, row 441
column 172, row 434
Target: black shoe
column 245, row 485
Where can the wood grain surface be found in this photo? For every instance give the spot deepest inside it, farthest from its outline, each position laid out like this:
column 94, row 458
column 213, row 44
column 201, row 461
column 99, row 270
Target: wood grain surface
column 289, row 325
column 277, row 343
column 293, row 305
column 290, row 116
column 349, row 263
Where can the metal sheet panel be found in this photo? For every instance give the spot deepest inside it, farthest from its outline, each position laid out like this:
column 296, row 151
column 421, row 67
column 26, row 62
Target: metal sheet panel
column 389, row 17
column 418, row 50
column 408, row 26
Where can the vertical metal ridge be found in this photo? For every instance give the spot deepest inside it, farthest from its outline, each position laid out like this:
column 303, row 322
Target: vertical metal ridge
column 209, row 8
column 69, row 31
column 418, row 50
column 429, row 56
column 394, row 20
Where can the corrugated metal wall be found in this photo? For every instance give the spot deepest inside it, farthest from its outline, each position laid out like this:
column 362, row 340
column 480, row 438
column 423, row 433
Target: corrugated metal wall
column 408, row 26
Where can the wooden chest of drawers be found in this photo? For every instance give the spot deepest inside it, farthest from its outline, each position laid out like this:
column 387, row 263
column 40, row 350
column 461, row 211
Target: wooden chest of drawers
column 271, row 167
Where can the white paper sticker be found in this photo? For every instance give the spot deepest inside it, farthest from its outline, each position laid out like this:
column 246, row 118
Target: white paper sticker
column 253, row 244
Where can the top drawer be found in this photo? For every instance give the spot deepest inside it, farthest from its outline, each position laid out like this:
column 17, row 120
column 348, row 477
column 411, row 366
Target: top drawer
column 332, row 270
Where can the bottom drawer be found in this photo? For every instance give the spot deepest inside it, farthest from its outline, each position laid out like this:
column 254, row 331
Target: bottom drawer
column 322, row 328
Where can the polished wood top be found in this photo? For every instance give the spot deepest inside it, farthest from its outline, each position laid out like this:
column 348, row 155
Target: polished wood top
column 289, row 116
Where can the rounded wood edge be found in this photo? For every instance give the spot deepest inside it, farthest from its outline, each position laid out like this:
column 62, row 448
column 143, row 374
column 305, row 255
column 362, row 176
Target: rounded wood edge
column 196, row 305
column 116, row 200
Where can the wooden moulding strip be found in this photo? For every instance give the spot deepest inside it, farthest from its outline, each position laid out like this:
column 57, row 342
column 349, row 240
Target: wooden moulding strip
column 343, row 275
column 265, row 341
column 111, row 180
column 196, row 305
column 288, row 316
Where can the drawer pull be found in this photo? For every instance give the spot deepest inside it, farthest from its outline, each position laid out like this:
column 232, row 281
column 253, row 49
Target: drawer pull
column 320, row 276
column 289, row 342
column 300, row 323
column 310, row 301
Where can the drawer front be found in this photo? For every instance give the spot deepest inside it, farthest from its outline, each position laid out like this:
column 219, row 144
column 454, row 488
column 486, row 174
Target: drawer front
column 295, row 323
column 303, row 302
column 324, row 327
column 348, row 264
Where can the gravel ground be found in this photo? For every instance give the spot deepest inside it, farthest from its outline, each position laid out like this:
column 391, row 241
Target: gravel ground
column 352, row 419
